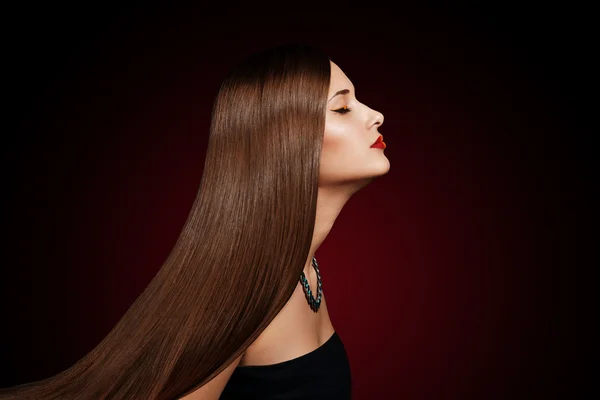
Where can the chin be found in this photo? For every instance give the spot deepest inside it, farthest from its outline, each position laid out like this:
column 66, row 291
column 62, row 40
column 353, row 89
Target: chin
column 357, row 178
column 380, row 167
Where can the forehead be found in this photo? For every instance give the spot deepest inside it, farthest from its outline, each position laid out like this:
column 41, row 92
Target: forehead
column 339, row 80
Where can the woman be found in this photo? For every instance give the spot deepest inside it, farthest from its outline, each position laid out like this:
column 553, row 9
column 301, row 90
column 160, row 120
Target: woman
column 240, row 291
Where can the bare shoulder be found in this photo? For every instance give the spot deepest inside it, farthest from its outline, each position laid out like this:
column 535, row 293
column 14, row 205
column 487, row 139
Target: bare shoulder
column 214, row 387
column 295, row 331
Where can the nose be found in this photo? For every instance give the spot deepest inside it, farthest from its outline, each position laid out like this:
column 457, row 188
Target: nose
column 376, row 119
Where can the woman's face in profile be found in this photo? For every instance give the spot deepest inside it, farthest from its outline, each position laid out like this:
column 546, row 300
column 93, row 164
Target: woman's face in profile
column 350, row 129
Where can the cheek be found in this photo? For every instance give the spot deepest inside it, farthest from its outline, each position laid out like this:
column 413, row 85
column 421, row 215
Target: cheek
column 342, row 152
column 341, row 139
column 334, row 148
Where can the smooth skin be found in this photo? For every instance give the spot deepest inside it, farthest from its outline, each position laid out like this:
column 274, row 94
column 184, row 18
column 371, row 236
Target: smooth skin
column 348, row 164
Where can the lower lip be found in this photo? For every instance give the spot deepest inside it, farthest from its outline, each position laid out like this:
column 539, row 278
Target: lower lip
column 380, row 145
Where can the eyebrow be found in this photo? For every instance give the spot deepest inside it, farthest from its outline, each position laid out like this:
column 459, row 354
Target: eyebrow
column 343, row 91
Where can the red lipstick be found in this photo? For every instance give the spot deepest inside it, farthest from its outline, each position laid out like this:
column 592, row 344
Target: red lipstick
column 379, row 143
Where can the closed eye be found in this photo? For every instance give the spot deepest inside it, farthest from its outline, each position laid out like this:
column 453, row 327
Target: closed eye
column 343, row 110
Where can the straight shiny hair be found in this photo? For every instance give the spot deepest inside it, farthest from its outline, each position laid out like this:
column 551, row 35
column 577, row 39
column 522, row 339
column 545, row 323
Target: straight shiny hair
column 241, row 250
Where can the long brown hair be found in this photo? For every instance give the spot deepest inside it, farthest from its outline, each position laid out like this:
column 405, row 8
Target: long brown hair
column 242, row 248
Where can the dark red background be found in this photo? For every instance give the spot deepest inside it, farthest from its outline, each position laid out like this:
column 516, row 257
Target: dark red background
column 466, row 272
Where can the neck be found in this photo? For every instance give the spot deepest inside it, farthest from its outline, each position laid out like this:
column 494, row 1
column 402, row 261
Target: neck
column 329, row 205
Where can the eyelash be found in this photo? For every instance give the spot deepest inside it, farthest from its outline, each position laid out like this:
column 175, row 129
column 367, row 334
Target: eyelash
column 343, row 110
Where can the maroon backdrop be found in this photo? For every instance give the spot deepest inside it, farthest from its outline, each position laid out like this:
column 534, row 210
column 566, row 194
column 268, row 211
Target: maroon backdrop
column 465, row 272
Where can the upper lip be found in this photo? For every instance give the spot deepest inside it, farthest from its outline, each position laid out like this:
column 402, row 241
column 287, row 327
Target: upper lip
column 379, row 139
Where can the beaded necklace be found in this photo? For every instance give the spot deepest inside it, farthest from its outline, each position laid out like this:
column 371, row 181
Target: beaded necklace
column 314, row 304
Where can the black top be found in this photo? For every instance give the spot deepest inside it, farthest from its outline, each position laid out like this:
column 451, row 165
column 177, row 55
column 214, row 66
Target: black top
column 324, row 373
